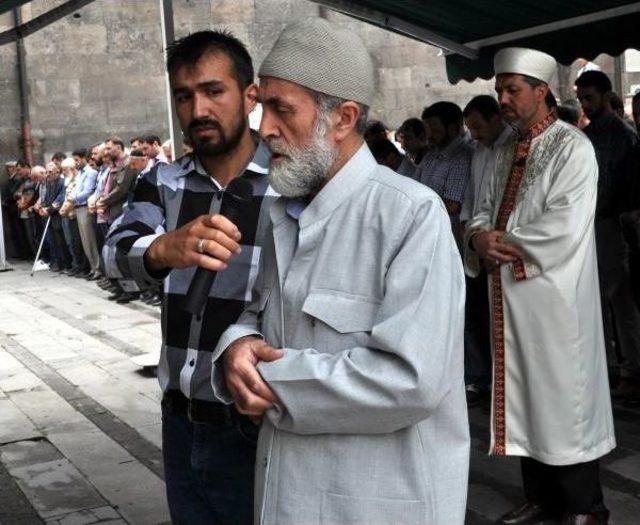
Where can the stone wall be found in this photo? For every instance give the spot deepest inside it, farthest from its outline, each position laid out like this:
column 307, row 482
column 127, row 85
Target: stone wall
column 101, row 71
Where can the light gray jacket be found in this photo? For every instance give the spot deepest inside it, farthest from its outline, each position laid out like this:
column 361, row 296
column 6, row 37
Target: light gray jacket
column 365, row 292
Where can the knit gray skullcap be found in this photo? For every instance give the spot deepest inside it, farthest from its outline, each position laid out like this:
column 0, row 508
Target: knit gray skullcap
column 322, row 57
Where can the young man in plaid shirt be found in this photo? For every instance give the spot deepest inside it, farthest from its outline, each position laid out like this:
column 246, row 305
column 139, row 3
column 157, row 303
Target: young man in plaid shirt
column 172, row 227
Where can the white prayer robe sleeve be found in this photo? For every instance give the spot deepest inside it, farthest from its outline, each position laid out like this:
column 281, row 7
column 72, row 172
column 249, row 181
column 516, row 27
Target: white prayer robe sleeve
column 404, row 372
column 553, row 237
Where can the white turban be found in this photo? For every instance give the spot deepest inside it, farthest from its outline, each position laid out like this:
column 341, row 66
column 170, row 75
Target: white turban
column 522, row 61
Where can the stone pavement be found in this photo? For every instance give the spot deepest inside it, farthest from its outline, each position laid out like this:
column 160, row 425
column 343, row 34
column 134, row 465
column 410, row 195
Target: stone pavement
column 80, row 423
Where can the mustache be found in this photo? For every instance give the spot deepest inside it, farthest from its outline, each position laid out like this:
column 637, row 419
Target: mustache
column 279, row 146
column 196, row 124
column 504, row 107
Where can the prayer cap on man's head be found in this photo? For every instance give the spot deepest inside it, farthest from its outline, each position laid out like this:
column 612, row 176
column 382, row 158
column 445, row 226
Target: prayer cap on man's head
column 522, row 61
column 320, row 56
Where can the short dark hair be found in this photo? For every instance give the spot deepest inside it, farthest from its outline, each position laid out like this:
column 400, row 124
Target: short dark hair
column 415, row 125
column 117, row 141
column 374, row 127
column 380, row 148
column 189, row 50
column 22, row 163
column 136, row 153
column 485, row 105
column 448, row 113
column 83, row 153
column 152, row 139
column 568, row 114
column 59, row 155
column 139, row 138
column 595, row 79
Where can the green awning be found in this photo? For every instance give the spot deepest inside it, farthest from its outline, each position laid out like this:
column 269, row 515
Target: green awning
column 471, row 31
column 8, row 5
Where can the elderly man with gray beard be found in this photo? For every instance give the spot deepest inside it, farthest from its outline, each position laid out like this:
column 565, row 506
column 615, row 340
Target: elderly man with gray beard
column 352, row 350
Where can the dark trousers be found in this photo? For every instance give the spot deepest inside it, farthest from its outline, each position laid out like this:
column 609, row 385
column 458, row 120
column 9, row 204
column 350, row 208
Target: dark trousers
column 30, row 234
column 63, row 257
column 74, row 244
column 573, row 489
column 620, row 313
column 209, row 470
column 477, row 342
column 16, row 244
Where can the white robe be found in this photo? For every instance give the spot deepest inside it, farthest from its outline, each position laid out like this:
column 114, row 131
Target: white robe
column 557, row 401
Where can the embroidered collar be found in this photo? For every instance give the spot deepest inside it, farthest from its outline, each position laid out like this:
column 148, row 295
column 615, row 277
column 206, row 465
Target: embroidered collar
column 540, row 127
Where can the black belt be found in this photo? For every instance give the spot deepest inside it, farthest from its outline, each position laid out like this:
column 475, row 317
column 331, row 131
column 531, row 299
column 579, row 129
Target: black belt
column 199, row 411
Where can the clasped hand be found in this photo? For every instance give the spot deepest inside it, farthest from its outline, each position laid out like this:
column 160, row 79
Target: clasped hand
column 250, row 392
column 490, row 246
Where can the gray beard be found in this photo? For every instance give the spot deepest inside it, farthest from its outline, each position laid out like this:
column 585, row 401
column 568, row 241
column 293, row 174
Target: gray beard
column 305, row 170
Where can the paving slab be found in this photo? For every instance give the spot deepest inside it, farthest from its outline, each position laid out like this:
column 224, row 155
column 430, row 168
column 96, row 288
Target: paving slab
column 51, row 483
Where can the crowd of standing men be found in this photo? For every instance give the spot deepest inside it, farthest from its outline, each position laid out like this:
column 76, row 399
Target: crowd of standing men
column 71, row 202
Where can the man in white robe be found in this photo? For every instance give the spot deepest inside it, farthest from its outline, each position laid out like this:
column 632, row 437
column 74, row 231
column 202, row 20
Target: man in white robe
column 361, row 294
column 550, row 401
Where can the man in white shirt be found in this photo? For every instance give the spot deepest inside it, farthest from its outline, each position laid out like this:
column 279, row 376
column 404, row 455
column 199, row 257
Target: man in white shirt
column 152, row 148
column 482, row 118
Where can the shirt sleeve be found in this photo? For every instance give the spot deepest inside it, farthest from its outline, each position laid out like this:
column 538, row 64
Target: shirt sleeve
column 142, row 222
column 87, row 188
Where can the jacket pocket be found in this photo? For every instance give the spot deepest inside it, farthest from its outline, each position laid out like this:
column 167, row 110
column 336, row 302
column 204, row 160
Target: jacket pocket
column 344, row 313
column 337, row 509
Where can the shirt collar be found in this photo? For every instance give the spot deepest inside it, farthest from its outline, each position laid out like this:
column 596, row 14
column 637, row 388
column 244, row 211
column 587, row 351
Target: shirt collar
column 602, row 122
column 448, row 150
column 259, row 164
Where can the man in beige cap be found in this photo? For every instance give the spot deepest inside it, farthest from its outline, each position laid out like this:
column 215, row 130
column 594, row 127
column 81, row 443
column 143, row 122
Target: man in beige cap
column 535, row 235
column 361, row 295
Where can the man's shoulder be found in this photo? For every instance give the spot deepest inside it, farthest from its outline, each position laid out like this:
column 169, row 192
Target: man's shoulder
column 388, row 184
column 168, row 175
column 564, row 134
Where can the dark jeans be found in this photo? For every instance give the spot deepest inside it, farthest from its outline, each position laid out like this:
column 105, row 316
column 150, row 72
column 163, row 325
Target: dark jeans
column 74, row 244
column 573, row 489
column 209, row 470
column 477, row 342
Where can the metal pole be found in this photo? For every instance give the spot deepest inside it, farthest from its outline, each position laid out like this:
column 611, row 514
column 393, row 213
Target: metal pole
column 168, row 36
column 25, row 119
column 44, row 234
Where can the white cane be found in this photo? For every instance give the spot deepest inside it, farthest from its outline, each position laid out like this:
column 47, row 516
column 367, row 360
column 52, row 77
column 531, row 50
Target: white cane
column 44, row 234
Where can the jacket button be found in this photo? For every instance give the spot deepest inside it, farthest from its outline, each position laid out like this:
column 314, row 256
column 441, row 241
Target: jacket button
column 192, row 362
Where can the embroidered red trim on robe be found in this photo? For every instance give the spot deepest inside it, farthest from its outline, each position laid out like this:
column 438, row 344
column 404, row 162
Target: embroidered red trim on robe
column 504, row 212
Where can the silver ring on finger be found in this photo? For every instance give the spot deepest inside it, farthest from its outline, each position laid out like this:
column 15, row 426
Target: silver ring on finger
column 200, row 246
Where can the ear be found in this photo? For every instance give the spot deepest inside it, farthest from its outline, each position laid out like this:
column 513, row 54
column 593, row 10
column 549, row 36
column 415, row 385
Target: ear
column 250, row 98
column 541, row 92
column 347, row 114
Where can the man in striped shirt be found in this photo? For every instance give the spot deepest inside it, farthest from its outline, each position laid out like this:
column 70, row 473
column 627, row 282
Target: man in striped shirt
column 173, row 226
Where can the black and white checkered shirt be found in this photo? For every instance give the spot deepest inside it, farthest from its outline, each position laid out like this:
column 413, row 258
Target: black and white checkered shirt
column 165, row 199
